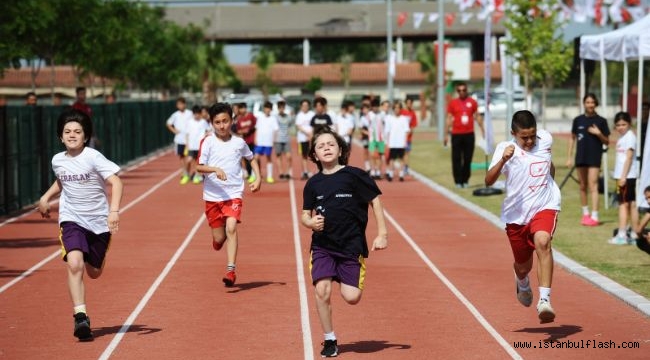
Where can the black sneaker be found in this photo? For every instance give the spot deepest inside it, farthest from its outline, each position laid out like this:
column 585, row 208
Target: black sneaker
column 82, row 327
column 304, row 176
column 329, row 349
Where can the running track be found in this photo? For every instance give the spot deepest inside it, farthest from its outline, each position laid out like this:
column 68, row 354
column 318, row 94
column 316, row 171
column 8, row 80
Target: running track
column 443, row 289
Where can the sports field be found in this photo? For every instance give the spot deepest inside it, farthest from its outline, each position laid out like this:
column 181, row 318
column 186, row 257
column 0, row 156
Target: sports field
column 443, row 289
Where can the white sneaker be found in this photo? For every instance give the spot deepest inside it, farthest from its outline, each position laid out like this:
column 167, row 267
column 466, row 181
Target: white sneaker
column 545, row 312
column 525, row 297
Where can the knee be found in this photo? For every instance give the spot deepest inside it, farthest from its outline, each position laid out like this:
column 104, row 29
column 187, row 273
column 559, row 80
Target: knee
column 323, row 290
column 543, row 243
column 352, row 299
column 75, row 264
column 93, row 272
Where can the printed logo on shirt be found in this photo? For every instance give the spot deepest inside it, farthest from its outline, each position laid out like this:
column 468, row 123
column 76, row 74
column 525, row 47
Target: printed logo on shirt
column 74, row 177
column 234, row 206
column 319, row 197
column 538, row 169
column 344, row 195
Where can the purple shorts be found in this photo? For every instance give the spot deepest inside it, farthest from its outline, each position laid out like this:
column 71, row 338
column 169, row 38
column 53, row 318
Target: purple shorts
column 93, row 246
column 346, row 269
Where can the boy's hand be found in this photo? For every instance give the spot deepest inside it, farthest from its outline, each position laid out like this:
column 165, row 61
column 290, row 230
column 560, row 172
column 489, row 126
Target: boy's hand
column 593, row 129
column 44, row 208
column 221, row 175
column 113, row 222
column 380, row 243
column 622, row 182
column 255, row 185
column 507, row 153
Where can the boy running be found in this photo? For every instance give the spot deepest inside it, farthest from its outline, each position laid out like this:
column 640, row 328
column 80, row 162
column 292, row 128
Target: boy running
column 220, row 158
column 531, row 206
column 86, row 219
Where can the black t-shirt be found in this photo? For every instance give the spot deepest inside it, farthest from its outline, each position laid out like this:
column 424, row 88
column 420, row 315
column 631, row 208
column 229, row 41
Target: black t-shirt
column 589, row 148
column 342, row 198
column 319, row 121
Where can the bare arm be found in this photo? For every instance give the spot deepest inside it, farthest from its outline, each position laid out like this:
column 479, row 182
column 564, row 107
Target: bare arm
column 629, row 157
column 569, row 157
column 116, row 199
column 448, row 124
column 493, row 173
column 479, row 120
column 44, row 202
column 642, row 223
column 381, row 241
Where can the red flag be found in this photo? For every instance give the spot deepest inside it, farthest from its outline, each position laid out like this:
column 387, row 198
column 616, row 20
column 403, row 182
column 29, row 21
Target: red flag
column 633, row 2
column 449, row 18
column 401, row 18
column 627, row 17
column 496, row 17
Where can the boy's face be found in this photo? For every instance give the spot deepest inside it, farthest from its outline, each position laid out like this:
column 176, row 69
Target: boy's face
column 320, row 108
column 526, row 138
column 197, row 116
column 180, row 105
column 73, row 136
column 267, row 111
column 221, row 124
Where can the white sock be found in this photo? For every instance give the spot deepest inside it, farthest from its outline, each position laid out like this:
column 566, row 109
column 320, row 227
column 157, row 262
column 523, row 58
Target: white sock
column 330, row 336
column 80, row 308
column 585, row 210
column 545, row 293
column 622, row 232
column 269, row 170
column 594, row 215
column 366, row 164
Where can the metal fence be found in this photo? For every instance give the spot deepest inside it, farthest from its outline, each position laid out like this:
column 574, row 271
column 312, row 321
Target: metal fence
column 123, row 132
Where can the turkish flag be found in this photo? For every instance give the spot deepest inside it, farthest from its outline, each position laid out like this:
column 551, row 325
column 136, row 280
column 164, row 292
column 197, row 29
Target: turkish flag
column 401, row 18
column 449, row 18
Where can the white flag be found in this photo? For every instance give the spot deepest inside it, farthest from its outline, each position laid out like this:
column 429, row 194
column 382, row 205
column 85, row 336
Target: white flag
column 417, row 19
column 391, row 63
column 465, row 17
column 433, row 17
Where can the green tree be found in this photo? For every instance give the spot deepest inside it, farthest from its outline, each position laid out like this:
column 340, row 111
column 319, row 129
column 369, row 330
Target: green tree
column 214, row 70
column 536, row 44
column 264, row 61
column 314, row 84
column 425, row 57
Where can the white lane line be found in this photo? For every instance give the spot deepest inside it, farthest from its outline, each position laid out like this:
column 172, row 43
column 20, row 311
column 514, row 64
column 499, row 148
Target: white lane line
column 307, row 345
column 145, row 299
column 58, row 252
column 472, row 309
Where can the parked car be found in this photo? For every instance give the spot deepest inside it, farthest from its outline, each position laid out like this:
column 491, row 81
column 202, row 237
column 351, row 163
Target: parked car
column 498, row 102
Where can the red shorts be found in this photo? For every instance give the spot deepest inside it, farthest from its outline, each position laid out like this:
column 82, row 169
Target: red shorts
column 521, row 236
column 218, row 211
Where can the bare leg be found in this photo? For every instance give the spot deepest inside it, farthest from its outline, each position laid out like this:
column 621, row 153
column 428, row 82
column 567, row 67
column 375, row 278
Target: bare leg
column 76, row 266
column 544, row 253
column 323, row 291
column 593, row 187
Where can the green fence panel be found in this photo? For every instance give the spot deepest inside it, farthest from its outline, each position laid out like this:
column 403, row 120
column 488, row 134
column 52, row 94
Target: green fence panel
column 123, row 132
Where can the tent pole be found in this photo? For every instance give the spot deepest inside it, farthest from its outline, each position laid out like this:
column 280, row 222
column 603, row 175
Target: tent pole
column 582, row 85
column 603, row 96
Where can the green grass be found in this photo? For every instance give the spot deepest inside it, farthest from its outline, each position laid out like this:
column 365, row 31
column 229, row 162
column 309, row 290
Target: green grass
column 626, row 265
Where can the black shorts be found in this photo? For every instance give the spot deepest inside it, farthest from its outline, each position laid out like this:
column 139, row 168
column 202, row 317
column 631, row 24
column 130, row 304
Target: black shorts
column 303, row 147
column 396, row 154
column 627, row 193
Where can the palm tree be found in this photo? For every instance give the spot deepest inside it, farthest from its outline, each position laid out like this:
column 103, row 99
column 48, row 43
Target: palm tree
column 264, row 59
column 215, row 70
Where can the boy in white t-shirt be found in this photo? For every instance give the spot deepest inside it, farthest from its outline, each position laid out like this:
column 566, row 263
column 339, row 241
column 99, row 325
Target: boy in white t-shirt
column 625, row 173
column 220, row 156
column 197, row 129
column 344, row 122
column 530, row 207
column 86, row 220
column 177, row 124
column 303, row 135
column 397, row 130
column 265, row 133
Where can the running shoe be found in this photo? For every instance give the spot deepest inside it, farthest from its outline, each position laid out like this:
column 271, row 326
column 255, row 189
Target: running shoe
column 197, row 179
column 618, row 240
column 184, row 179
column 229, row 278
column 588, row 221
column 330, row 349
column 525, row 297
column 304, row 176
column 251, row 179
column 270, row 180
column 545, row 311
column 82, row 327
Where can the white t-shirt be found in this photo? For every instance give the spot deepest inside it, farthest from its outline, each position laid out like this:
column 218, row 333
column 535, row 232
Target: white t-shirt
column 397, row 128
column 625, row 143
column 303, row 120
column 265, row 130
column 344, row 123
column 227, row 156
column 83, row 188
column 179, row 120
column 529, row 185
column 196, row 130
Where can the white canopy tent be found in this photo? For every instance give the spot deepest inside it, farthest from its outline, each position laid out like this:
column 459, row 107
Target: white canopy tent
column 631, row 42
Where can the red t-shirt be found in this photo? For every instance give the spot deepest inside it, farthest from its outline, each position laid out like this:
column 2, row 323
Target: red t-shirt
column 246, row 127
column 85, row 108
column 463, row 111
column 413, row 122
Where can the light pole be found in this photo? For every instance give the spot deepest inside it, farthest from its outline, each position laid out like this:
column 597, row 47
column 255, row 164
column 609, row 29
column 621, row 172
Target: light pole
column 440, row 96
column 389, row 49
